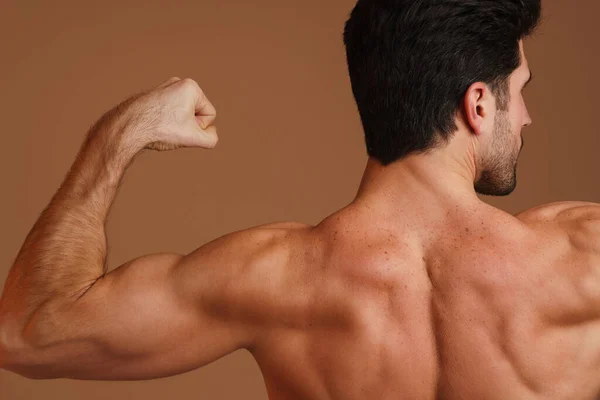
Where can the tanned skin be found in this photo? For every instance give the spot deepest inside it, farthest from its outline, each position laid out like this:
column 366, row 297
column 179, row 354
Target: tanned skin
column 415, row 290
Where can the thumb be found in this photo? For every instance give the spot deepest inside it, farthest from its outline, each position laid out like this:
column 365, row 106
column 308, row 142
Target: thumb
column 208, row 137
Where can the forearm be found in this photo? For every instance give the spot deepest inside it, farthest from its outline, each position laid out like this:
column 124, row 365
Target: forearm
column 65, row 251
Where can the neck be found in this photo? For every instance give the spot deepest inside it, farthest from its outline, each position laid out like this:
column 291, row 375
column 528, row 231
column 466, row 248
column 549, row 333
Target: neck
column 436, row 179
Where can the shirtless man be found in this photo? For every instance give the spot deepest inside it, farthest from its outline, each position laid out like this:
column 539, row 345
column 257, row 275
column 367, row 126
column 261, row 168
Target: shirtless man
column 415, row 290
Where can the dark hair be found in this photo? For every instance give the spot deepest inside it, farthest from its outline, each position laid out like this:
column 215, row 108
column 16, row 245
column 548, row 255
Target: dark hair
column 412, row 61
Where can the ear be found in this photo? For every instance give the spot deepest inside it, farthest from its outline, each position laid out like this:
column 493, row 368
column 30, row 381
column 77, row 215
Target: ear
column 479, row 108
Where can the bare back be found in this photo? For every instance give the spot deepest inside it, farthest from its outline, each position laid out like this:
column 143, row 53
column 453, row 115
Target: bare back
column 484, row 307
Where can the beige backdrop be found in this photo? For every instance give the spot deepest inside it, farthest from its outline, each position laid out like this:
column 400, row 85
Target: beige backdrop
column 290, row 148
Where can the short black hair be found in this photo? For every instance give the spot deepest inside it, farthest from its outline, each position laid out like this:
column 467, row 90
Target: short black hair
column 412, row 61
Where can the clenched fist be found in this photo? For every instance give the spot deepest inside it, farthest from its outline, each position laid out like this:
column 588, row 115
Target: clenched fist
column 174, row 114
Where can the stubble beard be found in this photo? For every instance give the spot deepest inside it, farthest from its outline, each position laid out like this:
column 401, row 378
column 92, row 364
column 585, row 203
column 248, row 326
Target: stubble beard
column 499, row 169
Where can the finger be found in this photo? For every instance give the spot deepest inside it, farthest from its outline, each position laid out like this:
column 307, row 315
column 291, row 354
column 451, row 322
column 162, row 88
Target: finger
column 206, row 138
column 204, row 110
column 210, row 139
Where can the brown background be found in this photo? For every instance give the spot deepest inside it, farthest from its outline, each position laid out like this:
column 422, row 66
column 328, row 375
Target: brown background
column 290, row 148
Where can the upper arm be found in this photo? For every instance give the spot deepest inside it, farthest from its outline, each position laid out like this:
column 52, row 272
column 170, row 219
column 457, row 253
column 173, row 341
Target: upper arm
column 162, row 314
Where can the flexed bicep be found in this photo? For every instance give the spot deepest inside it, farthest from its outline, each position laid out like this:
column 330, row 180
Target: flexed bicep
column 158, row 315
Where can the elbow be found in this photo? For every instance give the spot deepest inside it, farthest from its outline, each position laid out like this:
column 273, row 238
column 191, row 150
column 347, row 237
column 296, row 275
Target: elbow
column 39, row 349
column 9, row 342
column 11, row 364
column 15, row 354
column 9, row 354
column 3, row 357
column 21, row 363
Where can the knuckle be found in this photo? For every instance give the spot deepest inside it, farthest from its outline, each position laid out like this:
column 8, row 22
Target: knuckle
column 189, row 83
column 192, row 86
column 212, row 144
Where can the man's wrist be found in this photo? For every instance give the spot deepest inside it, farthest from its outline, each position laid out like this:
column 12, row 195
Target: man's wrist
column 103, row 158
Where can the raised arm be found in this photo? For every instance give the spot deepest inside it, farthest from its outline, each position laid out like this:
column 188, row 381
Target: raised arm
column 63, row 315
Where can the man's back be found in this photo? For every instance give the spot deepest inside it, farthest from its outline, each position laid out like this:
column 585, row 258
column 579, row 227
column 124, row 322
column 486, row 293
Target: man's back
column 481, row 306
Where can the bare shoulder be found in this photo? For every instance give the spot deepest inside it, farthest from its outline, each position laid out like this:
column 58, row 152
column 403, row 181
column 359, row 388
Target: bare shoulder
column 561, row 211
column 255, row 265
column 579, row 220
column 262, row 239
column 285, row 226
column 572, row 229
column 576, row 221
column 247, row 257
